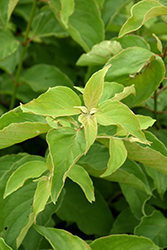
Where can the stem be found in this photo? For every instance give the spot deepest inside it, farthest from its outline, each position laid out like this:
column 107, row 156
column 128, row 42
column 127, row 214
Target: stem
column 22, row 55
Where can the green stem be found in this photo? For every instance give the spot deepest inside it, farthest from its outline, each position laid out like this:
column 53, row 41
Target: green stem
column 22, row 55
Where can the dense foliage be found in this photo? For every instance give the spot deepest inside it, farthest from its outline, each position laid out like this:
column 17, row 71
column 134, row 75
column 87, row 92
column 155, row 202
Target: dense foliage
column 83, row 126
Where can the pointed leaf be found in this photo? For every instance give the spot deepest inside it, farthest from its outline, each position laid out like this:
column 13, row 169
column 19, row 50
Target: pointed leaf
column 115, row 113
column 3, row 245
column 61, row 239
column 100, row 53
column 140, row 13
column 126, row 92
column 145, row 121
column 118, row 155
column 94, row 89
column 90, row 128
column 67, row 8
column 159, row 44
column 6, row 9
column 16, row 126
column 119, row 242
column 25, row 230
column 158, row 224
column 8, row 43
column 42, row 76
column 130, row 173
column 147, row 155
column 66, row 146
column 31, row 169
column 41, row 195
column 81, row 177
column 57, row 101
column 80, row 22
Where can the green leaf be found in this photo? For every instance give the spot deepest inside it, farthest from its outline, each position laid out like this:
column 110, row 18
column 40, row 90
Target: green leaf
column 110, row 90
column 9, row 63
column 145, row 121
column 8, row 44
column 25, row 230
column 136, row 199
column 3, row 245
column 160, row 180
column 31, row 169
column 67, row 8
column 8, row 160
column 100, row 53
column 95, row 161
column 61, row 239
column 95, row 218
column 41, row 196
column 42, row 76
column 132, row 40
column 145, row 83
column 6, row 9
column 66, row 146
column 81, row 177
column 32, row 239
column 45, row 24
column 126, row 92
column 132, row 175
column 80, row 22
column 147, row 155
column 136, row 66
column 111, row 8
column 158, row 224
column 159, row 44
column 140, row 13
column 90, row 128
column 119, row 242
column 16, row 126
column 124, row 223
column 118, row 155
column 94, row 89
column 126, row 63
column 57, row 101
column 15, row 212
column 115, row 113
